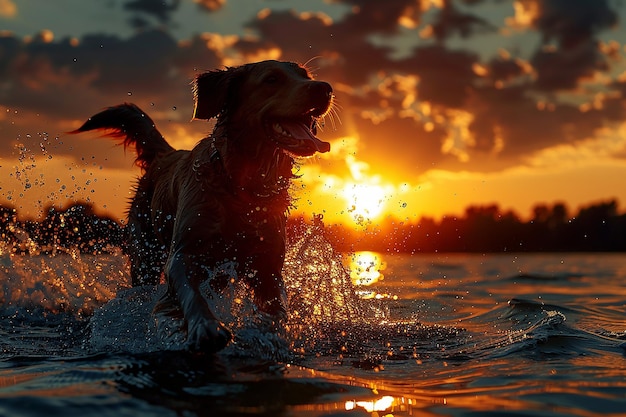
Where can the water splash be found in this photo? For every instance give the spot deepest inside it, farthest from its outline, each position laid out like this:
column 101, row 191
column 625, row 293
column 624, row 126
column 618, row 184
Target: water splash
column 66, row 282
column 319, row 290
column 326, row 315
column 319, row 287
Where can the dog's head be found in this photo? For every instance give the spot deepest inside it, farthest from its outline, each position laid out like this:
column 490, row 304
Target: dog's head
column 279, row 99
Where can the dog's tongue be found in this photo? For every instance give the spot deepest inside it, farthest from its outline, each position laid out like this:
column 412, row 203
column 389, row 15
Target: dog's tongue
column 302, row 132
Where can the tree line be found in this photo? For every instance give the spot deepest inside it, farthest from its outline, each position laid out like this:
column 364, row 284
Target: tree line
column 594, row 228
column 77, row 226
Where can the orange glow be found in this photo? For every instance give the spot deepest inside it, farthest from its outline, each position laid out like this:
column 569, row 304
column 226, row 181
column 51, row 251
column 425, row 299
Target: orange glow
column 381, row 404
column 365, row 201
column 340, row 185
column 365, row 268
column 8, row 9
column 525, row 13
column 366, row 195
column 345, row 189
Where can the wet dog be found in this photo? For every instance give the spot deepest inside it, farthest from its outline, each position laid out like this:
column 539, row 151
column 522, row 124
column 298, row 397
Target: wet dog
column 227, row 198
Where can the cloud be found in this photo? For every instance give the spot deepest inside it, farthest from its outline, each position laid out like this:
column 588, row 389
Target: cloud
column 450, row 20
column 314, row 33
column 446, row 101
column 162, row 10
column 369, row 17
column 563, row 69
column 151, row 66
column 571, row 22
column 445, row 75
column 570, row 51
column 50, row 86
column 8, row 9
column 210, row 5
column 497, row 111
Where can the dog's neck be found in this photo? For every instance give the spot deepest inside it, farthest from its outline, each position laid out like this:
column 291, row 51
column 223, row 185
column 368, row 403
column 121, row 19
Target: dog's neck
column 255, row 167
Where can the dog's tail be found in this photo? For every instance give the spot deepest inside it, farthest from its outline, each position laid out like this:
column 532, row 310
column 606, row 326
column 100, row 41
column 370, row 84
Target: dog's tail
column 129, row 122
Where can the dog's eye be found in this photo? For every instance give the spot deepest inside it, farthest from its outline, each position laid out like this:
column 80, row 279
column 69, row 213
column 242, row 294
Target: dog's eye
column 271, row 79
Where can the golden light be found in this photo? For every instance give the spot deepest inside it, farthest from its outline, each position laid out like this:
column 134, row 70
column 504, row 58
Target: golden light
column 381, row 404
column 365, row 268
column 525, row 14
column 359, row 197
column 365, row 195
column 365, row 201
column 8, row 9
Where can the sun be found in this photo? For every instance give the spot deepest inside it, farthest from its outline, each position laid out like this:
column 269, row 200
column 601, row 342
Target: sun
column 365, row 201
column 365, row 195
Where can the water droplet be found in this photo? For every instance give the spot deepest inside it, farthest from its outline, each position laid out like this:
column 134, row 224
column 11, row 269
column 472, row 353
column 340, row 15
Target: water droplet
column 130, row 93
column 173, row 107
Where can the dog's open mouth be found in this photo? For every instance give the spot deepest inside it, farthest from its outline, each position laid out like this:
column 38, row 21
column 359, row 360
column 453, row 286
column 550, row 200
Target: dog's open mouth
column 298, row 137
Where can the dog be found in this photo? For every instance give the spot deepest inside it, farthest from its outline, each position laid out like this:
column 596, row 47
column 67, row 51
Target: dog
column 227, row 198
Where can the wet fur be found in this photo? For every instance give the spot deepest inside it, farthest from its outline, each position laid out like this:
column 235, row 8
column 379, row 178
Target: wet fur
column 226, row 199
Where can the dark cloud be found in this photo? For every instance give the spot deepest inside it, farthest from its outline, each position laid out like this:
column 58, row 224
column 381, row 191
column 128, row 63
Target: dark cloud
column 160, row 9
column 499, row 95
column 512, row 116
column 59, row 82
column 450, row 21
column 446, row 76
column 359, row 59
column 569, row 28
column 369, row 16
column 316, row 36
column 150, row 64
column 503, row 69
column 312, row 31
column 139, row 23
column 408, row 102
column 105, row 64
column 572, row 22
column 564, row 68
column 195, row 56
column 141, row 62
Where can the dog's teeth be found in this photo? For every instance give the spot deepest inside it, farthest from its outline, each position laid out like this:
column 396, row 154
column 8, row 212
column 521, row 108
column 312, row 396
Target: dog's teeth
column 279, row 129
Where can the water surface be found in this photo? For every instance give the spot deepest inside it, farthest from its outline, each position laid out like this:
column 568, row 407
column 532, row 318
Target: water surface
column 427, row 335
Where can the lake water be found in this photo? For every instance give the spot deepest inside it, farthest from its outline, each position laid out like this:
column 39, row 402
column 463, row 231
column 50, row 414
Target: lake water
column 417, row 335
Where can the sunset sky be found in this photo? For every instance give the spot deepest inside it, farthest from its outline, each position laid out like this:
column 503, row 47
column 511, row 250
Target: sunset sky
column 440, row 104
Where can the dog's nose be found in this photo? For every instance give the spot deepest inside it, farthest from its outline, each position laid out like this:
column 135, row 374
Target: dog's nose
column 321, row 91
column 320, row 94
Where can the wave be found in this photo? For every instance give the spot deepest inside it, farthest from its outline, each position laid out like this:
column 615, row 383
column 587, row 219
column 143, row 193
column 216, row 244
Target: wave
column 538, row 330
column 564, row 276
column 326, row 315
column 84, row 303
column 68, row 281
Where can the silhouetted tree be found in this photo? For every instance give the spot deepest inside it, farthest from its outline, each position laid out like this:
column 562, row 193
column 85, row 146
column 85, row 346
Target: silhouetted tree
column 8, row 222
column 78, row 226
column 597, row 227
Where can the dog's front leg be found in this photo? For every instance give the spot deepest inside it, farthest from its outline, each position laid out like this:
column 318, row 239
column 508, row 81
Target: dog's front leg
column 269, row 292
column 204, row 331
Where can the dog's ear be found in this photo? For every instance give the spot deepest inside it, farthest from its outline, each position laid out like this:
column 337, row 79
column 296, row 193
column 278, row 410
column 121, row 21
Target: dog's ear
column 210, row 93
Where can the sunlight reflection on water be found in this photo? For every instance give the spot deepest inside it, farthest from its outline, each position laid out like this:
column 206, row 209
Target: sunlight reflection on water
column 365, row 267
column 366, row 270
column 442, row 334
